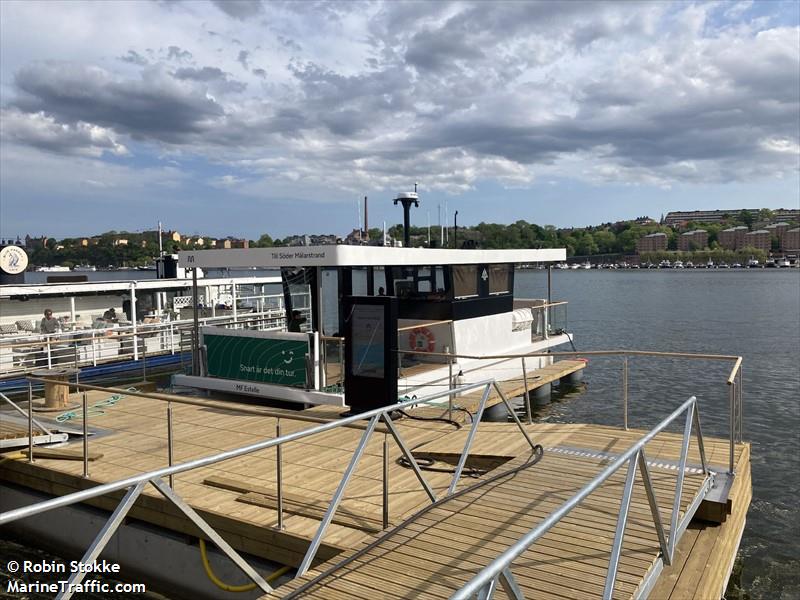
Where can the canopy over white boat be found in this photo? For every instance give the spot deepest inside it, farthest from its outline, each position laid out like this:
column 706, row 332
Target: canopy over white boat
column 360, row 256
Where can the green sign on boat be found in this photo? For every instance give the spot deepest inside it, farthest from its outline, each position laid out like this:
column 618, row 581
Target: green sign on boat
column 250, row 356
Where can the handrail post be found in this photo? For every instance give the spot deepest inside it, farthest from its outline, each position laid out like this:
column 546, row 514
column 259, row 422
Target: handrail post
column 527, row 397
column 94, row 348
column 625, row 391
column 731, row 424
column 49, row 354
column 30, row 422
column 170, row 442
column 449, row 383
column 385, row 481
column 279, row 473
column 341, row 363
column 741, row 406
column 85, row 437
column 144, row 359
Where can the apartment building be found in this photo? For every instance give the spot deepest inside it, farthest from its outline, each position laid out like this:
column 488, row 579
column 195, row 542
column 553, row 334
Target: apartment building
column 677, row 218
column 733, row 238
column 654, row 242
column 693, row 240
column 778, row 230
column 760, row 240
column 791, row 240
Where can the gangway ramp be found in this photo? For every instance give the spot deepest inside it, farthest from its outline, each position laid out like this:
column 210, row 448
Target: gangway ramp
column 435, row 552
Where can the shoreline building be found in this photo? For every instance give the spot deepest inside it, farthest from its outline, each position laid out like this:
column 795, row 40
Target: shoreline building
column 733, row 238
column 760, row 240
column 655, row 242
column 791, row 240
column 679, row 218
column 693, row 240
column 778, row 230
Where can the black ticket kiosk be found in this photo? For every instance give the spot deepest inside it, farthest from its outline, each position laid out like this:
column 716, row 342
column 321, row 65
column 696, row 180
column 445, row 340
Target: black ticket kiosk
column 371, row 352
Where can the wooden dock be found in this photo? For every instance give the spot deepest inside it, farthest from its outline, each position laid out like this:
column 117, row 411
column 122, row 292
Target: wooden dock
column 427, row 552
column 518, row 386
column 439, row 549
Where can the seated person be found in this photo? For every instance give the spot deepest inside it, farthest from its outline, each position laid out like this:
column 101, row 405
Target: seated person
column 49, row 323
column 296, row 320
column 110, row 316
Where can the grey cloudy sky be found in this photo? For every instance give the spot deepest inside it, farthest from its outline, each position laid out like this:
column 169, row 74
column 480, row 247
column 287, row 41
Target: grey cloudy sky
column 242, row 117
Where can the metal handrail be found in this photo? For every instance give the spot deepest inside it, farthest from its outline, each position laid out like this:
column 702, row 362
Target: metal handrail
column 499, row 570
column 16, row 407
column 136, row 484
column 736, row 401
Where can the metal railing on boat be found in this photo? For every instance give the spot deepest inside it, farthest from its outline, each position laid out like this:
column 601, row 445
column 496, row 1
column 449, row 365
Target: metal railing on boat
column 94, row 347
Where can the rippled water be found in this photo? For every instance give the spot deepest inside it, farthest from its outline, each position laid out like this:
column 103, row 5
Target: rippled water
column 755, row 314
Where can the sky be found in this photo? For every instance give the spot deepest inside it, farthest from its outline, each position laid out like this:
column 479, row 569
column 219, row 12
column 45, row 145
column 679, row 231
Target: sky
column 243, row 117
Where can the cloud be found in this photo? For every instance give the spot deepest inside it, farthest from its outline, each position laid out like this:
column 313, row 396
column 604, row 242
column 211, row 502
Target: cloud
column 41, row 131
column 134, row 57
column 453, row 93
column 155, row 106
column 213, row 76
column 240, row 9
column 177, row 54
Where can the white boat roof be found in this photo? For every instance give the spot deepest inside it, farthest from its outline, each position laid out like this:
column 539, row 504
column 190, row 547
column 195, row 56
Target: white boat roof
column 122, row 286
column 359, row 256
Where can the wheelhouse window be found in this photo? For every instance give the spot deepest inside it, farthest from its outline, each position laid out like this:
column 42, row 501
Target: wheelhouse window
column 465, row 281
column 500, row 279
column 420, row 282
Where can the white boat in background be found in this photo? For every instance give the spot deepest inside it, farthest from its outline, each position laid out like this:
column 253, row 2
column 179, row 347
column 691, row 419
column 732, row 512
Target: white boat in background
column 53, row 269
column 84, row 268
column 753, row 263
column 783, row 262
column 153, row 318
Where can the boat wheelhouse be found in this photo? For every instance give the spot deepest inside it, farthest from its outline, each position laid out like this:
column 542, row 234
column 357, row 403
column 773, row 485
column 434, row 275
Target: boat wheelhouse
column 448, row 302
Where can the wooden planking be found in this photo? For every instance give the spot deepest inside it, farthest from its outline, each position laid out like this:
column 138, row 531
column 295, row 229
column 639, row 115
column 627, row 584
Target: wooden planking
column 463, row 534
column 134, row 440
column 348, row 514
column 62, row 454
column 516, row 387
column 701, row 568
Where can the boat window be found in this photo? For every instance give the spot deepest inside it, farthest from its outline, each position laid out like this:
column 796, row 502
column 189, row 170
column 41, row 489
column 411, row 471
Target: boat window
column 500, row 279
column 422, row 282
column 465, row 280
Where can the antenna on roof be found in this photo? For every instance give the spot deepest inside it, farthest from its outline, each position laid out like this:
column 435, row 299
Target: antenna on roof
column 407, row 199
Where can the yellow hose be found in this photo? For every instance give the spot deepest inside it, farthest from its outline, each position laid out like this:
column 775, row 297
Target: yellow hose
column 247, row 587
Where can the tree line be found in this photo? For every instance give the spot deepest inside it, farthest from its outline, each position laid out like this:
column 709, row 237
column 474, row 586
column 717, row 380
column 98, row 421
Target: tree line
column 607, row 238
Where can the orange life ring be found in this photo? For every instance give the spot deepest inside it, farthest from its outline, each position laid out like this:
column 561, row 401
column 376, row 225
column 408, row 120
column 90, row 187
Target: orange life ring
column 422, row 339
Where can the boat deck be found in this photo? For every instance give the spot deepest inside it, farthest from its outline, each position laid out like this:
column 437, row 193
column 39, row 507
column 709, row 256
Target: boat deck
column 428, row 555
